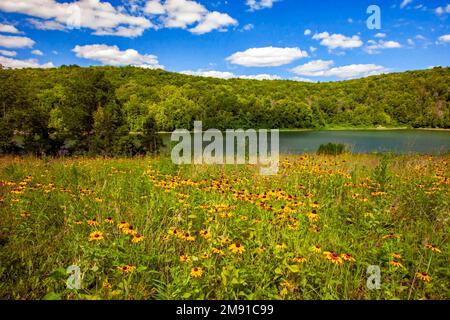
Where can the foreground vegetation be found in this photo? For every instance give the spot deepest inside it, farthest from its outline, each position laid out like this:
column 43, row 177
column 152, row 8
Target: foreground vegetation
column 143, row 228
column 73, row 110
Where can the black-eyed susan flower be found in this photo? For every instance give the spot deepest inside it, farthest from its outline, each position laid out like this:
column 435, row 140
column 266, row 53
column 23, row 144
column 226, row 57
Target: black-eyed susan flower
column 25, row 214
column 226, row 215
column 396, row 255
column 138, row 238
column 109, row 220
column 280, row 246
column 315, row 204
column 205, row 234
column 196, row 272
column 204, row 256
column 78, row 222
column 174, row 232
column 188, row 237
column 347, row 257
column 226, row 241
column 185, row 258
column 299, row 259
column 123, row 225
column 293, row 226
column 165, row 237
column 106, row 284
column 333, row 258
column 218, row 251
column 129, row 268
column 261, row 249
column 237, row 248
column 425, row 277
column 130, row 231
column 96, row 236
column 433, row 248
column 316, row 248
column 396, row 264
column 93, row 222
column 210, row 220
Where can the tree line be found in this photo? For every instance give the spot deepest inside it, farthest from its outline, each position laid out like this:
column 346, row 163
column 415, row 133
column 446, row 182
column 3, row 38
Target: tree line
column 119, row 110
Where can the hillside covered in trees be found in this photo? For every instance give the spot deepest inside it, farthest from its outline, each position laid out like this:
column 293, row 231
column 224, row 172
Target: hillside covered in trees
column 111, row 110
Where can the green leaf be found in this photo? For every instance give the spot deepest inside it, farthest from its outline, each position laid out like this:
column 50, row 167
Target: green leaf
column 294, row 268
column 141, row 268
column 278, row 271
column 52, row 296
column 58, row 274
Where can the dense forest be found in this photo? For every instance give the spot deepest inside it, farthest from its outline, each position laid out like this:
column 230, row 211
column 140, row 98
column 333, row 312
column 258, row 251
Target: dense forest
column 111, row 110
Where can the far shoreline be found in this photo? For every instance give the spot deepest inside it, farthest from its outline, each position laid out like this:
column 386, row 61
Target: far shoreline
column 344, row 129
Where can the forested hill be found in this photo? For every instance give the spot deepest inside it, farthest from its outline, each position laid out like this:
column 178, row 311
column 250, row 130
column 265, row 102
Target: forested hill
column 81, row 104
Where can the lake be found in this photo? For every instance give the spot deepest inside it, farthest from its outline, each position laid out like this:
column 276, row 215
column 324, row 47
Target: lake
column 364, row 141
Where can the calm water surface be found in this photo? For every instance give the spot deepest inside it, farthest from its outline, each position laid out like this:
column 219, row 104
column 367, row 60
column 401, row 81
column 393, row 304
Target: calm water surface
column 365, row 141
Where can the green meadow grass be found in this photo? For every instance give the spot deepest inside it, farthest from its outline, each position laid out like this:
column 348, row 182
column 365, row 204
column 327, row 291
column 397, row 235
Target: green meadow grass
column 225, row 232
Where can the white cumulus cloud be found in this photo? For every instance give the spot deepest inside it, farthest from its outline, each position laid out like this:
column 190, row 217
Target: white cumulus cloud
column 374, row 47
column 210, row 74
column 37, row 52
column 229, row 75
column 15, row 42
column 188, row 14
column 129, row 20
column 8, row 53
column 47, row 24
column 20, row 64
column 260, row 4
column 113, row 56
column 334, row 41
column 261, row 77
column 154, row 7
column 301, row 79
column 321, row 68
column 312, row 68
column 182, row 13
column 445, row 38
column 266, row 56
column 7, row 28
column 213, row 21
column 355, row 71
column 100, row 16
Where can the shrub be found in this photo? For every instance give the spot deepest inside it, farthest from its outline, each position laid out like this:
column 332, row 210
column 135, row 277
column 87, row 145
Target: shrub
column 332, row 149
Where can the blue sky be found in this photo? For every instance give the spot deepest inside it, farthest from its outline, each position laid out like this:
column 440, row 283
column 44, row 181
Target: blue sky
column 264, row 39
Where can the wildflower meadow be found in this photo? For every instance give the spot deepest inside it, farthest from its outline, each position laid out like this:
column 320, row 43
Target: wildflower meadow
column 144, row 228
